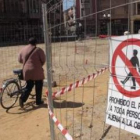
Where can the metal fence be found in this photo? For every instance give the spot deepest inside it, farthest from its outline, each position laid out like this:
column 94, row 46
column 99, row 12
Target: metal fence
column 81, row 96
column 77, row 59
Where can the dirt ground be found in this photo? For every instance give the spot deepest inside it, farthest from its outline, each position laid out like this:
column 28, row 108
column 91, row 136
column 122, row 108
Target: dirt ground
column 82, row 111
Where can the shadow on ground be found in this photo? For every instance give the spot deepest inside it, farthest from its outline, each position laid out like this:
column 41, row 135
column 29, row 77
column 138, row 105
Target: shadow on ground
column 30, row 106
column 67, row 104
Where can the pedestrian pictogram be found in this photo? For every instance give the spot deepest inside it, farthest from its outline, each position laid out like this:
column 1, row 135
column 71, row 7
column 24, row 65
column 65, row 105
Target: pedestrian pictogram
column 131, row 65
column 135, row 63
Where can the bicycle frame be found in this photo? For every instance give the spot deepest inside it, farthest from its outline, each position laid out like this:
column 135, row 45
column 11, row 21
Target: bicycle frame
column 16, row 80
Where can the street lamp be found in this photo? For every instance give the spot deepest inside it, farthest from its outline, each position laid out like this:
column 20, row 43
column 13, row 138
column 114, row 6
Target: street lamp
column 107, row 16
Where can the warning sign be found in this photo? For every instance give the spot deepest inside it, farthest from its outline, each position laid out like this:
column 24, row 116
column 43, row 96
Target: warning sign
column 123, row 109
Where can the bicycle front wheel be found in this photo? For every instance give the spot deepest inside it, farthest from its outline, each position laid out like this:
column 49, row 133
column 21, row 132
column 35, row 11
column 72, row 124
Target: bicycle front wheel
column 9, row 95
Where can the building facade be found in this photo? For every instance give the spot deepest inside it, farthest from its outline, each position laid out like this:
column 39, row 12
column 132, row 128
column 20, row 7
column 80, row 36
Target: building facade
column 55, row 18
column 122, row 16
column 85, row 16
column 77, row 19
column 104, row 15
column 70, row 21
column 19, row 20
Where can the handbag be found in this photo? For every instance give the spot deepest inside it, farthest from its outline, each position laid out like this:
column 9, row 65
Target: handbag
column 21, row 71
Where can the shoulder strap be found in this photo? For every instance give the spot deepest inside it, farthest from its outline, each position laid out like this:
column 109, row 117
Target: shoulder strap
column 29, row 55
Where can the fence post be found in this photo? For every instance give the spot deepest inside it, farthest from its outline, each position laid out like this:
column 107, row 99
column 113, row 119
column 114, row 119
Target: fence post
column 49, row 65
column 108, row 29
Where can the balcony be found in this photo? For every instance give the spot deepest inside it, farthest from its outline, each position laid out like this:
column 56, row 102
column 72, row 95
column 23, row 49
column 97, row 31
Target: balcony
column 13, row 15
column 20, row 15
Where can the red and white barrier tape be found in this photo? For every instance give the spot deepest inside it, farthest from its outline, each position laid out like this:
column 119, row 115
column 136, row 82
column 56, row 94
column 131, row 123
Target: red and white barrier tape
column 79, row 83
column 69, row 88
column 59, row 125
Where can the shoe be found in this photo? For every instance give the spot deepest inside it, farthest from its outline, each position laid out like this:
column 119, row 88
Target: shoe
column 21, row 104
column 133, row 87
column 40, row 103
column 122, row 82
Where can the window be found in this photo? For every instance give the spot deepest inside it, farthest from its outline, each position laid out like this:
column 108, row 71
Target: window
column 138, row 9
column 17, row 7
column 82, row 12
column 23, row 6
column 85, row 9
column 1, row 6
column 85, row 1
column 34, row 6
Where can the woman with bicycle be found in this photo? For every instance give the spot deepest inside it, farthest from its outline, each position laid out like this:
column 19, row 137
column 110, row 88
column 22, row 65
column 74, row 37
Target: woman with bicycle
column 32, row 58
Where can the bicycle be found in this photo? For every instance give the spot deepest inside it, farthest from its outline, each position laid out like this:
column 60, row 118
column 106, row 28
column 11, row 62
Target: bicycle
column 11, row 89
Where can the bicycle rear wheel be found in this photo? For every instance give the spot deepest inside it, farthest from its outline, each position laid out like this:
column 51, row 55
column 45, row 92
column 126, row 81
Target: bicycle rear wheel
column 9, row 95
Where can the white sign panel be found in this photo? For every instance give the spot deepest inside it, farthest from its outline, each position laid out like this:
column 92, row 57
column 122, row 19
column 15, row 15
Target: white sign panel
column 123, row 109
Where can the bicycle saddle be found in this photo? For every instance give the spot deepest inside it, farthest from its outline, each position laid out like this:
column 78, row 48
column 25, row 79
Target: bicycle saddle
column 18, row 71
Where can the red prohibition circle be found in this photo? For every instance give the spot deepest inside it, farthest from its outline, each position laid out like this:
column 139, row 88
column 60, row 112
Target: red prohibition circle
column 122, row 45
